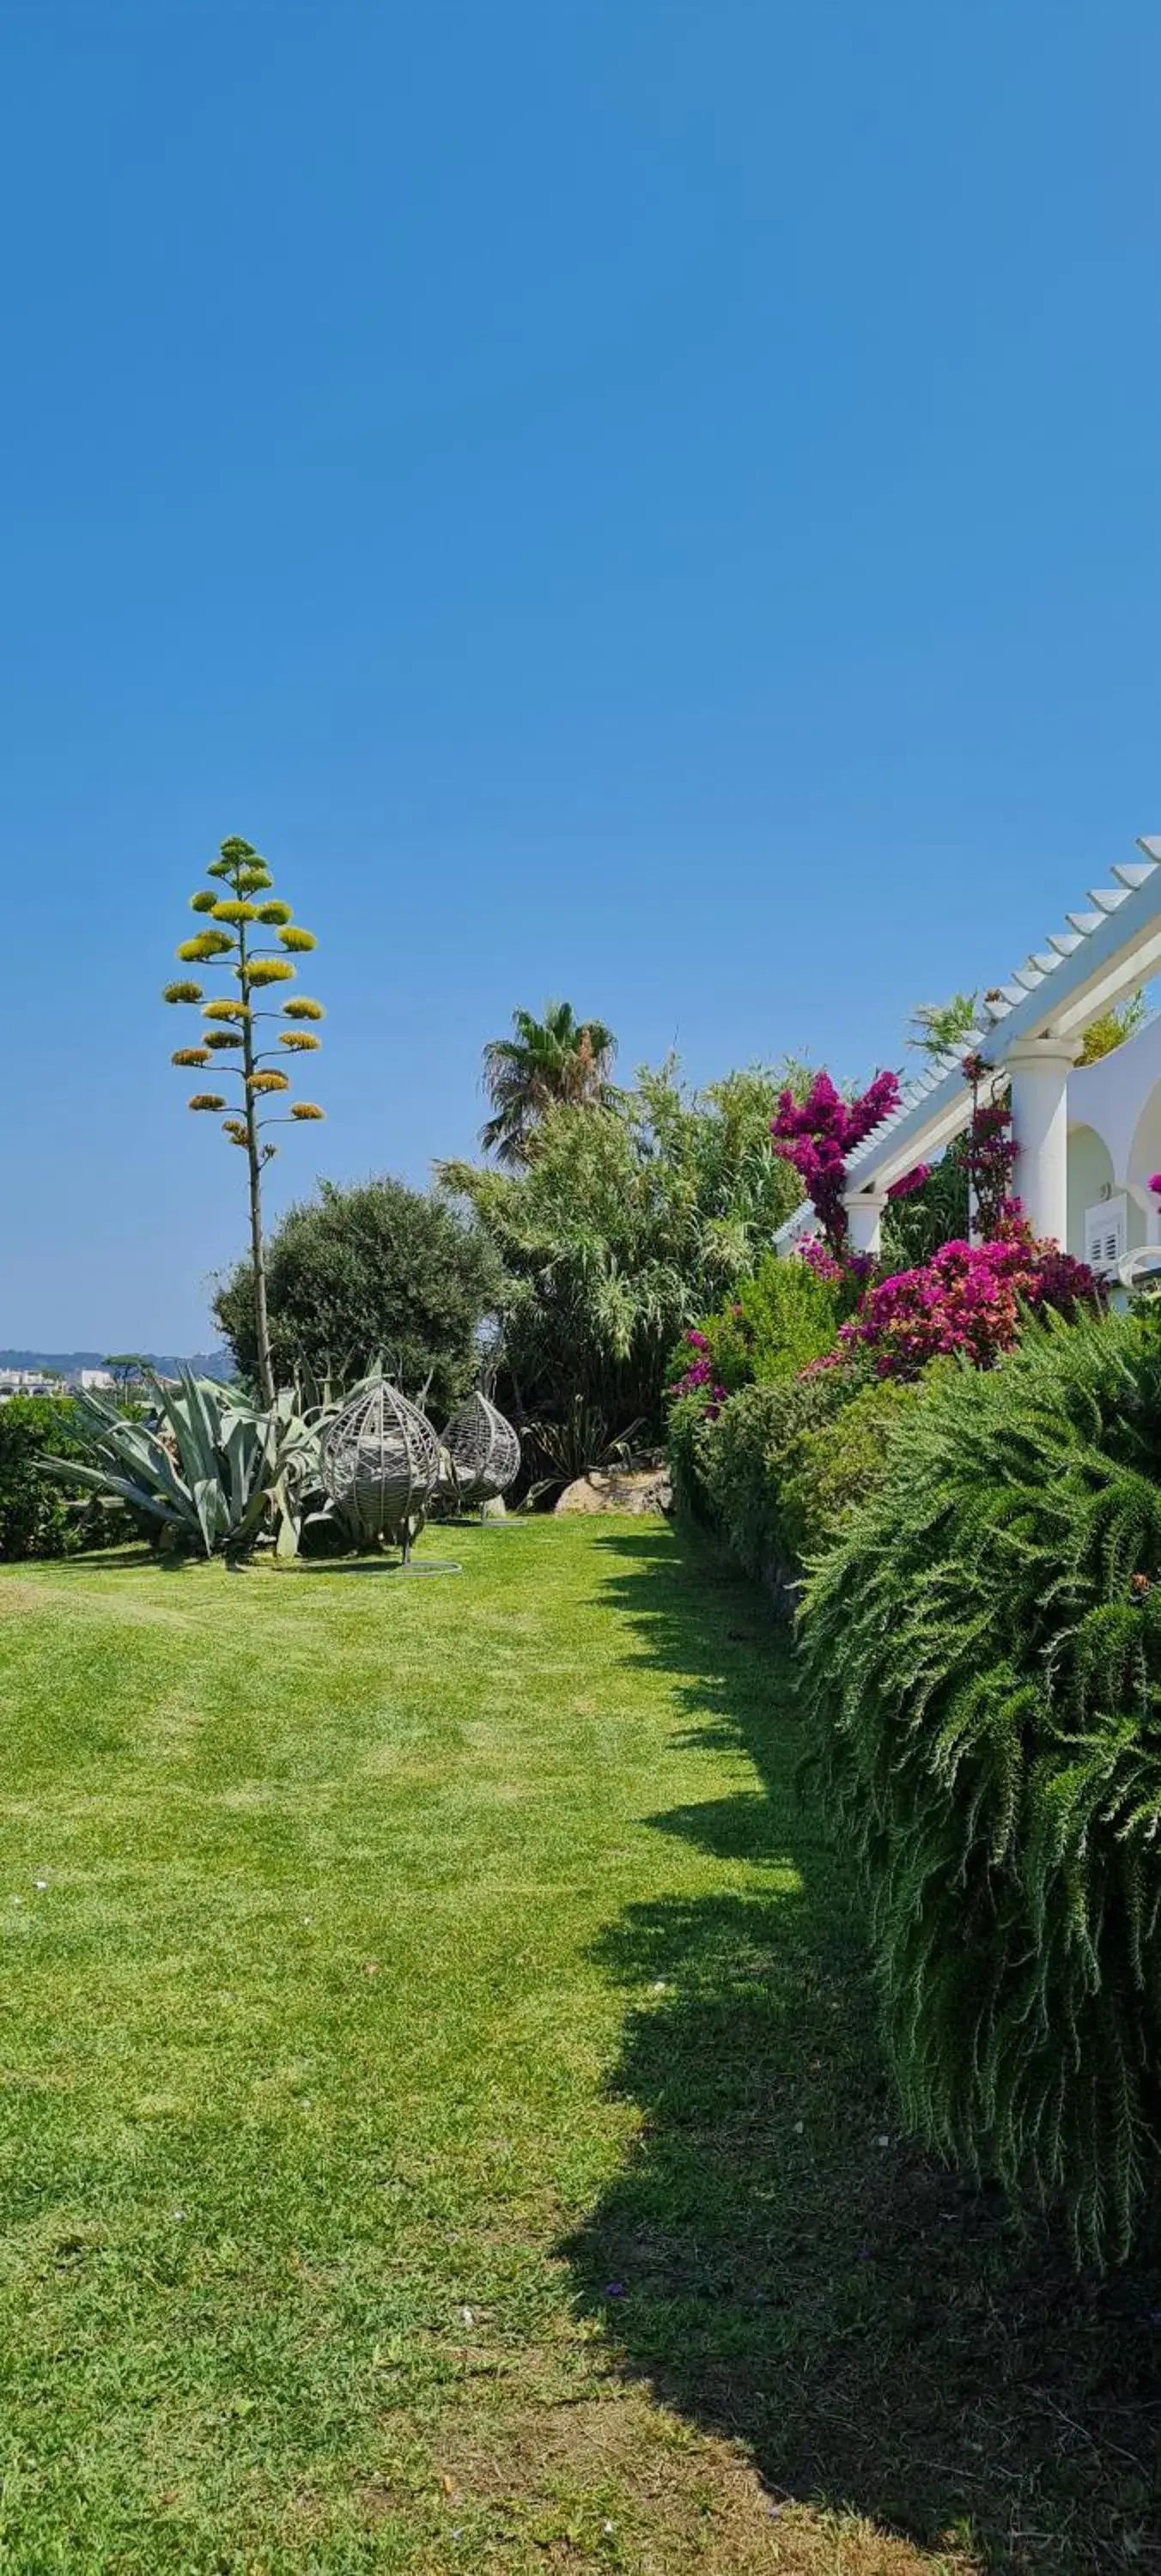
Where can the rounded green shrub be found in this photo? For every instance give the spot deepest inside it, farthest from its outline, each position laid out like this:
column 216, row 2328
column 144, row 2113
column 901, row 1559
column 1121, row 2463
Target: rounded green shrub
column 980, row 1656
column 839, row 1462
column 744, row 1459
column 35, row 1519
column 774, row 1325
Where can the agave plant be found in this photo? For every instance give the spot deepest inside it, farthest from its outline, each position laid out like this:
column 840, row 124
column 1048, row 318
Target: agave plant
column 207, row 1471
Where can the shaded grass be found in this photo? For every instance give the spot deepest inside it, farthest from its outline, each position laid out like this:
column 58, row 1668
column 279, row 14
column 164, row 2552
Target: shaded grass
column 439, row 2109
column 790, row 2270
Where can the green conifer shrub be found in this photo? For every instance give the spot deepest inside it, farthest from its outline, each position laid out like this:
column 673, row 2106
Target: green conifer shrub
column 980, row 1658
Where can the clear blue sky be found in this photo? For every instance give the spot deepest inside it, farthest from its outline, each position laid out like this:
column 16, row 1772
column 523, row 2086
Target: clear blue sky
column 645, row 501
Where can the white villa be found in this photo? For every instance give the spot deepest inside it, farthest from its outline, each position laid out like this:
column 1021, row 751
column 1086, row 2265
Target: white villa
column 1088, row 1138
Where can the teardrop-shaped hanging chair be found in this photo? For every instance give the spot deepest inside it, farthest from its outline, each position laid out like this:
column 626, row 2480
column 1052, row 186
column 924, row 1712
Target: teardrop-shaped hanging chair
column 483, row 1449
column 380, row 1463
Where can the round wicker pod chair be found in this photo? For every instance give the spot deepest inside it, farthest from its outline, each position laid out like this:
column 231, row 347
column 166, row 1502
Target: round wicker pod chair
column 380, row 1464
column 483, row 1449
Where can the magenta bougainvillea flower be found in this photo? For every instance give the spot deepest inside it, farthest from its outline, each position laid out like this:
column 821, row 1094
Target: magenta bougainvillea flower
column 909, row 1181
column 968, row 1302
column 1155, row 1183
column 817, row 1134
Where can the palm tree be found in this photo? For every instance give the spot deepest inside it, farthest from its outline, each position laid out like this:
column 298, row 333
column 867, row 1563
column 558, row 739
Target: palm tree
column 556, row 1058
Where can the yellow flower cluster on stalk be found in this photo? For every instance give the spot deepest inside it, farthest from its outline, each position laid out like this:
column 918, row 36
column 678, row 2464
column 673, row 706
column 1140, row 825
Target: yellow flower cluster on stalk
column 237, row 933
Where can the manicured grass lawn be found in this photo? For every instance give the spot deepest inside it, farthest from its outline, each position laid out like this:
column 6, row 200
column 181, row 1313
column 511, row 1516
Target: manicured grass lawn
column 440, row 2121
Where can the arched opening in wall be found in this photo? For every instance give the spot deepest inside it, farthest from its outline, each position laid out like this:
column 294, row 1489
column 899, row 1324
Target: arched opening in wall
column 1092, row 1187
column 1144, row 1160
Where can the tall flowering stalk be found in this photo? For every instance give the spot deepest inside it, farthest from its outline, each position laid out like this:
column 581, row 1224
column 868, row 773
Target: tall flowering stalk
column 235, row 924
column 817, row 1134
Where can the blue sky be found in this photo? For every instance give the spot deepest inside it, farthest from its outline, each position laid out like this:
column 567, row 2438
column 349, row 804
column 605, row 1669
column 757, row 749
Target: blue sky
column 645, row 501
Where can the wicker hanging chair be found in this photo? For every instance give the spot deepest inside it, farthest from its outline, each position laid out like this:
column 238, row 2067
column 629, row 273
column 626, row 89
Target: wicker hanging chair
column 483, row 1449
column 380, row 1464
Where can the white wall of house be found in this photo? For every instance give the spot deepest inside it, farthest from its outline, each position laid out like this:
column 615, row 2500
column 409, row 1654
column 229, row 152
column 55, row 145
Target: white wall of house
column 1114, row 1144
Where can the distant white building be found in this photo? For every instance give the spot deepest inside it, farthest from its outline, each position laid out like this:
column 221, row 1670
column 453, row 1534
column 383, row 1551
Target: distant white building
column 27, row 1382
column 40, row 1382
column 1088, row 1139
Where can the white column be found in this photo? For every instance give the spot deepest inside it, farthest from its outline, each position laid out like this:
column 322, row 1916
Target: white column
column 865, row 1216
column 1040, row 1072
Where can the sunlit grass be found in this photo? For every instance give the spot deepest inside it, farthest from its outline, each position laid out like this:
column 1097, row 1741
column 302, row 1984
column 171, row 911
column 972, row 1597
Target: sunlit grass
column 439, row 2101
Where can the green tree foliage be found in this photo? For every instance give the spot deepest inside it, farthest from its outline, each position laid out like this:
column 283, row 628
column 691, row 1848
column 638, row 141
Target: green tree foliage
column 558, row 1058
column 378, row 1270
column 939, row 1028
column 981, row 1661
column 35, row 1520
column 1113, row 1027
column 126, row 1368
column 629, row 1221
column 252, row 933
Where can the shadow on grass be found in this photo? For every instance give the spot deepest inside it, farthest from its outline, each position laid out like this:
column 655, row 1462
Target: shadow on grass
column 134, row 1558
column 773, row 2259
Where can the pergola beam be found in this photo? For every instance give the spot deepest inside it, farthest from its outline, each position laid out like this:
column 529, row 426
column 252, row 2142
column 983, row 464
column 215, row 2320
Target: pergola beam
column 1108, row 951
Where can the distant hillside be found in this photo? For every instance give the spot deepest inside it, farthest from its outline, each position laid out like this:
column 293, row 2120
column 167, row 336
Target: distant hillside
column 66, row 1363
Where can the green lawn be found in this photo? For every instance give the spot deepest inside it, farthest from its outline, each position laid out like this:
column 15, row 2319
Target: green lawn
column 441, row 2124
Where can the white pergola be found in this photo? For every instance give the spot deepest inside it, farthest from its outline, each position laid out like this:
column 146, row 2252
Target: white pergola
column 1031, row 1028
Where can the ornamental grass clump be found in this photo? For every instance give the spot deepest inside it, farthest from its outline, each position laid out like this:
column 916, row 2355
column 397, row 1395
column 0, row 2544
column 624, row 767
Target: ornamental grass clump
column 980, row 1657
column 235, row 925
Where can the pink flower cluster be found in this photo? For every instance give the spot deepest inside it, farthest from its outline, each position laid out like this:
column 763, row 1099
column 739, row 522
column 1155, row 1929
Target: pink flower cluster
column 991, row 1159
column 697, row 1378
column 968, row 1300
column 910, row 1181
column 817, row 1134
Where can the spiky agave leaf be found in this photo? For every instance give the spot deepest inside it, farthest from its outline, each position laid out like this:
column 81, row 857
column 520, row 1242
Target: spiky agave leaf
column 228, row 1460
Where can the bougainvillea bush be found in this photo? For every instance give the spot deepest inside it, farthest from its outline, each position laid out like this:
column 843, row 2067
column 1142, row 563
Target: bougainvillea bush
column 817, row 1134
column 970, row 1302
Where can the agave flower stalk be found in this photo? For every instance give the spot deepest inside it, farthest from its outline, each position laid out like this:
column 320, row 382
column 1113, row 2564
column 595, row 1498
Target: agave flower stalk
column 237, row 913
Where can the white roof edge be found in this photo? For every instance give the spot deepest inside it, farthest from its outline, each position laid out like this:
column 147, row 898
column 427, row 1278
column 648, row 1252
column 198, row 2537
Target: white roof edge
column 1118, row 949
